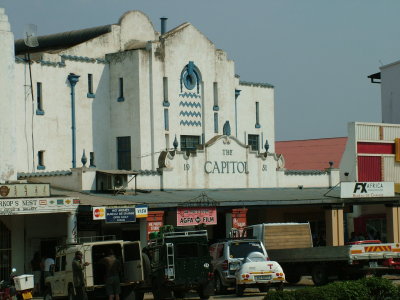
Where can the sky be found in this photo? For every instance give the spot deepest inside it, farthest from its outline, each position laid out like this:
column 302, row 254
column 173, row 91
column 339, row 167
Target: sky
column 316, row 53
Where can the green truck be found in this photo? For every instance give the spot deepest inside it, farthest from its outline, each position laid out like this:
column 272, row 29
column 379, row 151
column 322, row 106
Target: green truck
column 176, row 262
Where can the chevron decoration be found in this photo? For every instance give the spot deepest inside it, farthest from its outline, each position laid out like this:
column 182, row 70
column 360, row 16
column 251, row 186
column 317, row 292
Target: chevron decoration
column 190, row 104
column 189, row 95
column 190, row 113
column 190, row 123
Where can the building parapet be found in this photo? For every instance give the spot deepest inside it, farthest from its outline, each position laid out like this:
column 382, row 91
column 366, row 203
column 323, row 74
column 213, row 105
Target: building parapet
column 256, row 84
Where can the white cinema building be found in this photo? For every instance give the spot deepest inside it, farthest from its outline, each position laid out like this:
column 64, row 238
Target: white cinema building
column 159, row 115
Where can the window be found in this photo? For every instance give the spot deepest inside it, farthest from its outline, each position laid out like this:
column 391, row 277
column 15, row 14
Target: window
column 215, row 107
column 63, row 262
column 90, row 86
column 124, row 152
column 166, row 119
column 189, row 142
column 39, row 99
column 215, row 122
column 165, row 91
column 121, row 90
column 257, row 115
column 41, row 165
column 253, row 141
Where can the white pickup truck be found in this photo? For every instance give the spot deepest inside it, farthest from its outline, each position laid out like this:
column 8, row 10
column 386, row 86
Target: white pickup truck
column 291, row 245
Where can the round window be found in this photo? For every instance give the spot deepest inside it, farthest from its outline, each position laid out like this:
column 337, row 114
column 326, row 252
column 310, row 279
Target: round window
column 189, row 80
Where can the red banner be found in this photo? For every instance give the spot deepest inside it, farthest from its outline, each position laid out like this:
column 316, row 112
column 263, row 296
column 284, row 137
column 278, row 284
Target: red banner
column 188, row 216
column 155, row 220
column 239, row 218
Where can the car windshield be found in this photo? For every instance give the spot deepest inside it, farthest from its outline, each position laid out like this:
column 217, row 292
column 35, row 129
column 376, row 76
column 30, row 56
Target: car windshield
column 242, row 249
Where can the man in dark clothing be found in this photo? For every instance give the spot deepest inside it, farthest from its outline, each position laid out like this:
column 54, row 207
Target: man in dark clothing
column 113, row 268
column 77, row 273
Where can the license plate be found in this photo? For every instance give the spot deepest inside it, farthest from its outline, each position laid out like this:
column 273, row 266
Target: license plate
column 263, row 277
column 27, row 295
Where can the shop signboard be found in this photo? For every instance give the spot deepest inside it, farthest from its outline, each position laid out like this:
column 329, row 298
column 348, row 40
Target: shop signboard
column 120, row 215
column 26, row 206
column 366, row 189
column 24, row 190
column 155, row 220
column 189, row 216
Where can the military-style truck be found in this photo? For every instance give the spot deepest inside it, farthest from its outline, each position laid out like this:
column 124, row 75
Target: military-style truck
column 179, row 261
column 291, row 245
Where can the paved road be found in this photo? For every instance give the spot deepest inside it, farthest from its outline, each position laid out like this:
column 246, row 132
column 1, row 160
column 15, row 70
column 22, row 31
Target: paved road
column 254, row 294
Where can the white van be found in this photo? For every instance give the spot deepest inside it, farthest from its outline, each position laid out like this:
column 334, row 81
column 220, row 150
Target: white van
column 129, row 253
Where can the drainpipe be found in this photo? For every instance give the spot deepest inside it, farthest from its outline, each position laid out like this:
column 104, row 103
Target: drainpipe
column 163, row 24
column 237, row 93
column 73, row 80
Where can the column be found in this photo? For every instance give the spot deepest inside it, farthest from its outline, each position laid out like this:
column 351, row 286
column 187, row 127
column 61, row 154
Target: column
column 143, row 232
column 392, row 224
column 72, row 228
column 334, row 226
column 8, row 157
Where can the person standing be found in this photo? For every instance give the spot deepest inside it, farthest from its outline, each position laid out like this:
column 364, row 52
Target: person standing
column 48, row 266
column 78, row 278
column 113, row 268
column 36, row 267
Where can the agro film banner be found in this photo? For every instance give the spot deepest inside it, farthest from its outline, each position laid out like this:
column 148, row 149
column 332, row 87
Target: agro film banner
column 189, row 216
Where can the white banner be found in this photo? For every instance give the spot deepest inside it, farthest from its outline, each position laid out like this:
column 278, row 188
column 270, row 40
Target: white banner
column 37, row 206
column 366, row 189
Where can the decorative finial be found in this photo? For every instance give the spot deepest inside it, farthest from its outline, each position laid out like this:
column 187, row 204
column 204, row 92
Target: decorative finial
column 175, row 143
column 226, row 130
column 266, row 145
column 84, row 158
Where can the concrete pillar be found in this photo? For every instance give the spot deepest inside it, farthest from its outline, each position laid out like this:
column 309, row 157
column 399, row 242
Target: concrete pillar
column 334, row 226
column 72, row 228
column 8, row 158
column 143, row 232
column 228, row 223
column 18, row 243
column 392, row 224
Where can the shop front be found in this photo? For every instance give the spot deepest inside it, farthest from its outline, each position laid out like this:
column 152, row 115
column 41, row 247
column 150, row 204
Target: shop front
column 31, row 221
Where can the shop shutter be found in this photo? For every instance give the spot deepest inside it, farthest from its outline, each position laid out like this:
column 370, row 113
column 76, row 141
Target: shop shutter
column 369, row 168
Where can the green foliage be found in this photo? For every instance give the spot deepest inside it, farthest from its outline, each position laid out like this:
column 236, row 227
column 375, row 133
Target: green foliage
column 372, row 288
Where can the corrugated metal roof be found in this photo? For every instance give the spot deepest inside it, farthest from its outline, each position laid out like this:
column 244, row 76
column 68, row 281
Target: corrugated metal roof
column 312, row 154
column 225, row 198
column 62, row 40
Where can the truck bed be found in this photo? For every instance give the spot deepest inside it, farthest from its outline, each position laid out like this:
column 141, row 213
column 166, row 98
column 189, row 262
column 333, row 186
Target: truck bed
column 335, row 253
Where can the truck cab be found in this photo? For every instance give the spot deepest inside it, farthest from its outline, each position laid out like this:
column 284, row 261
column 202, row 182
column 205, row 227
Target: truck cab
column 60, row 284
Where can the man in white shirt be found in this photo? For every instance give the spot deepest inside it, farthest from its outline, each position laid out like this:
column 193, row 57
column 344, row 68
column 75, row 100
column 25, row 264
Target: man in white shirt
column 48, row 266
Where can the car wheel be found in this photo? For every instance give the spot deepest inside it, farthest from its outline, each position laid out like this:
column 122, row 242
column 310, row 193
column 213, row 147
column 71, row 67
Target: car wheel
column 139, row 295
column 47, row 294
column 219, row 287
column 293, row 277
column 239, row 290
column 279, row 287
column 179, row 294
column 319, row 275
column 71, row 293
column 263, row 288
